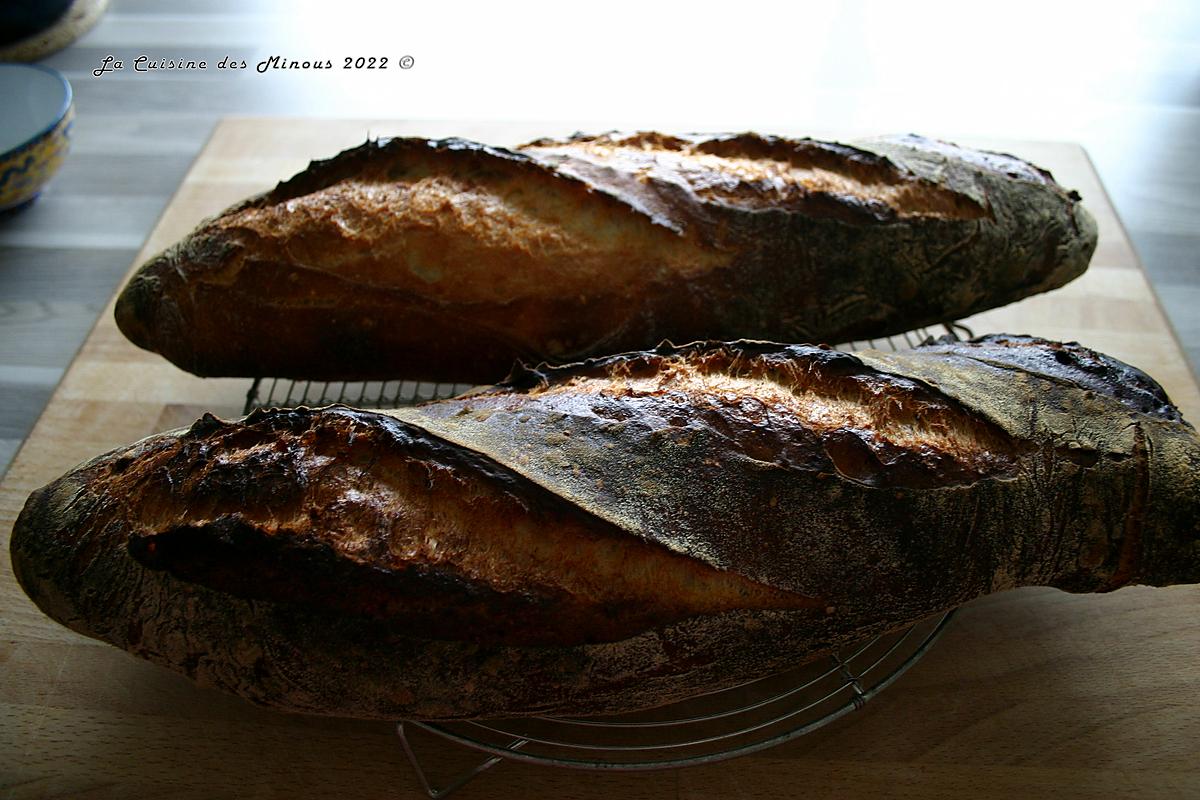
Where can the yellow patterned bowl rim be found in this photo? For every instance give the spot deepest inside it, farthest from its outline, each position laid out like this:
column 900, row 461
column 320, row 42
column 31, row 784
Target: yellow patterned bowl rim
column 47, row 162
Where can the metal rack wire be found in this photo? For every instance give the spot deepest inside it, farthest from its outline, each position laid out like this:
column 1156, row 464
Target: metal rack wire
column 732, row 722
column 283, row 393
column 702, row 730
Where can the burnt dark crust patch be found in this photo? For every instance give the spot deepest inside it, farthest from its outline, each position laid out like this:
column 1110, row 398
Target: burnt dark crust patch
column 298, row 569
column 1068, row 362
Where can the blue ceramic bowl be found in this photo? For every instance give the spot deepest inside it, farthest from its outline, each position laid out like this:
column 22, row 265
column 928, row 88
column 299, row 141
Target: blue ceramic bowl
column 35, row 125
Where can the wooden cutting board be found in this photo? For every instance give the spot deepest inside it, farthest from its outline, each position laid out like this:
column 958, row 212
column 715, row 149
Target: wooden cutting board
column 1029, row 693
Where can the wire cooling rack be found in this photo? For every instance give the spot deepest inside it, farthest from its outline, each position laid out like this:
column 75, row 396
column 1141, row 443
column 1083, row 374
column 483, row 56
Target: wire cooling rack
column 283, row 393
column 712, row 727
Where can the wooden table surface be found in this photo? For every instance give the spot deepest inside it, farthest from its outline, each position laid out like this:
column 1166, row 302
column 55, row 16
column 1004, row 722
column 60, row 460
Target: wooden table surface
column 1032, row 692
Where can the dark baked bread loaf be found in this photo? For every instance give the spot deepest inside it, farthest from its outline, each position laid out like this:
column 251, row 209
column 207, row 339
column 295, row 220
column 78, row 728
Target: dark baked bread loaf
column 447, row 260
column 615, row 534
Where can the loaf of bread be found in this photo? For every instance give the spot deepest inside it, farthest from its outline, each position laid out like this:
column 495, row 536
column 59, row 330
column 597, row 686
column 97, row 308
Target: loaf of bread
column 448, row 260
column 619, row 533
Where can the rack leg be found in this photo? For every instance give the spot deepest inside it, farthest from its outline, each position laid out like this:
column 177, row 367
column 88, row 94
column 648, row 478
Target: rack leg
column 436, row 793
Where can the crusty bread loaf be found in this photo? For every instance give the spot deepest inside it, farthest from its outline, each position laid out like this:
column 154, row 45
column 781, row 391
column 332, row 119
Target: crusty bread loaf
column 448, row 260
column 619, row 533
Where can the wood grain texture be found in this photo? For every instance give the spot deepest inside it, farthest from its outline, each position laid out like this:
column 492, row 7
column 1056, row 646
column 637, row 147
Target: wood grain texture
column 1031, row 692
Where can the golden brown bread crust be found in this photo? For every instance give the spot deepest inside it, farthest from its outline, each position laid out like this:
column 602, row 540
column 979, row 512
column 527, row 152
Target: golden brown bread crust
column 619, row 533
column 447, row 260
